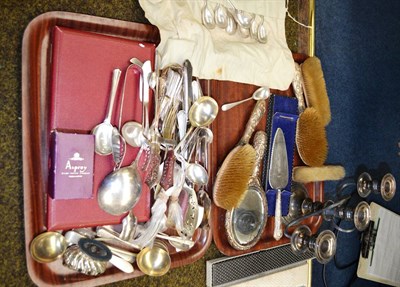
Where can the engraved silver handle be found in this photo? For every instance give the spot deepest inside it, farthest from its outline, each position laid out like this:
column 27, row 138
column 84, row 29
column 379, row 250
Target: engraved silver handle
column 255, row 117
column 260, row 140
column 278, row 217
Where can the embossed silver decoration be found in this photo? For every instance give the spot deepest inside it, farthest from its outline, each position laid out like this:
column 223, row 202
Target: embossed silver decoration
column 192, row 213
column 297, row 85
column 75, row 259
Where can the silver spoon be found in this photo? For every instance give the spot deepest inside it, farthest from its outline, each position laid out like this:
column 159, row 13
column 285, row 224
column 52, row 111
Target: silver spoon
column 243, row 18
column 232, row 26
column 261, row 93
column 262, row 32
column 254, row 29
column 133, row 133
column 120, row 190
column 196, row 174
column 221, row 16
column 207, row 16
column 103, row 131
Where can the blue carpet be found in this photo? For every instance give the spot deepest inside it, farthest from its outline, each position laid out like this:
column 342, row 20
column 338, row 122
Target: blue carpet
column 358, row 44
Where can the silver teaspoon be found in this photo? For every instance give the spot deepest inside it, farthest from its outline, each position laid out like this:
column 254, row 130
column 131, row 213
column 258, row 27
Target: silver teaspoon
column 260, row 94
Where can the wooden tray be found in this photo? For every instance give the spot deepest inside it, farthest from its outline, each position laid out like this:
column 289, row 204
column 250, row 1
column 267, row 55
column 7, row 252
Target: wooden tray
column 228, row 129
column 35, row 112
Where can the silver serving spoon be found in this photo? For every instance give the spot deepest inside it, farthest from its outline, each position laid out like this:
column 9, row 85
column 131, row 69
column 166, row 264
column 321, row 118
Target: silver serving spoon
column 120, row 190
column 261, row 93
column 103, row 131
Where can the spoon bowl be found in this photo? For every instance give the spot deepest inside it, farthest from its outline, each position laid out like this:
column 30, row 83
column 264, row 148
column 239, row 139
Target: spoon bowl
column 243, row 18
column 133, row 133
column 231, row 27
column 120, row 190
column 254, row 29
column 207, row 16
column 203, row 112
column 197, row 174
column 221, row 16
column 262, row 32
column 154, row 261
column 48, row 247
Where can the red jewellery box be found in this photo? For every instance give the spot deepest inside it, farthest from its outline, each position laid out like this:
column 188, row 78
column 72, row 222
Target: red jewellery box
column 81, row 71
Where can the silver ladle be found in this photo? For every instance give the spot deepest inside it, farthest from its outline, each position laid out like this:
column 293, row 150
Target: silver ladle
column 261, row 93
column 103, row 131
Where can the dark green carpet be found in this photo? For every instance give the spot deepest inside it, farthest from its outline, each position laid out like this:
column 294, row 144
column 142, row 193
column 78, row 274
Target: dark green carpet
column 15, row 16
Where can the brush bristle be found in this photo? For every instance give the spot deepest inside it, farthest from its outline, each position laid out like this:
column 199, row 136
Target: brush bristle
column 315, row 88
column 305, row 174
column 311, row 141
column 233, row 177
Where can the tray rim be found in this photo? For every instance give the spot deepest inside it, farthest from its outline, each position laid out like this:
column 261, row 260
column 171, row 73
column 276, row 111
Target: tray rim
column 33, row 94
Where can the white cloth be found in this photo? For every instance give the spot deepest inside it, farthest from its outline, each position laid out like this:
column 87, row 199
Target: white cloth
column 216, row 55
